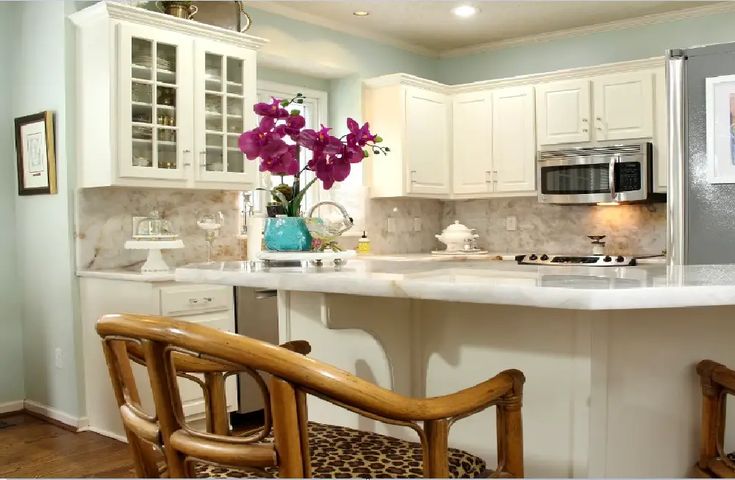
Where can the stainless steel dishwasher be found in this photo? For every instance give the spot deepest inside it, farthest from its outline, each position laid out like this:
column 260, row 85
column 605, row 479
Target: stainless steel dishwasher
column 256, row 317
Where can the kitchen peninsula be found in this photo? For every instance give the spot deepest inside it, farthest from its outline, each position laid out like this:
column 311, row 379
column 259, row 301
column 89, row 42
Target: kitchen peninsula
column 608, row 353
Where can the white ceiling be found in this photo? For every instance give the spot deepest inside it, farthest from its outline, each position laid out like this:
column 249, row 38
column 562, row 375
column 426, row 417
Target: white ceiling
column 430, row 27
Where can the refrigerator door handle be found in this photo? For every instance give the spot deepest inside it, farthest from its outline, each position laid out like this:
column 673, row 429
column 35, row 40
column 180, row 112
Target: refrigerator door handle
column 676, row 235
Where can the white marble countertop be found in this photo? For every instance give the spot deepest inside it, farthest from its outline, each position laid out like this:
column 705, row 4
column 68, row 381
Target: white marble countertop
column 484, row 280
column 130, row 275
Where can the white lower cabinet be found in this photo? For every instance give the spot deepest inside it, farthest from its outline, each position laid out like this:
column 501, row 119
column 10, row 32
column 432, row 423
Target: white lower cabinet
column 203, row 304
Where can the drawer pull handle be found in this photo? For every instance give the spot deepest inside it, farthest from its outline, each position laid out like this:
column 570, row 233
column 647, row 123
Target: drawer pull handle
column 197, row 301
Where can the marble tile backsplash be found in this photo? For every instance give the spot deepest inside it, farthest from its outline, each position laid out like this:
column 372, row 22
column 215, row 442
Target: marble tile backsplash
column 104, row 223
column 630, row 229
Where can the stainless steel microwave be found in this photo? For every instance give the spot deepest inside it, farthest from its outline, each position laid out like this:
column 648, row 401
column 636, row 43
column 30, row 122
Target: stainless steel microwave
column 590, row 175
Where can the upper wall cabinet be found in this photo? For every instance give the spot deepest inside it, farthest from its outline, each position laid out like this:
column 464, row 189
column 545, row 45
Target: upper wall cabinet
column 178, row 96
column 480, row 140
column 620, row 108
column 514, row 145
column 623, row 106
column 472, row 115
column 494, row 142
column 563, row 112
column 413, row 117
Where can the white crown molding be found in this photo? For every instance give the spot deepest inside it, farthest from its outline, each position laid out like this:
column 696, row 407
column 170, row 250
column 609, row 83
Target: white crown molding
column 141, row 16
column 566, row 74
column 292, row 13
column 652, row 19
column 406, row 79
column 520, row 80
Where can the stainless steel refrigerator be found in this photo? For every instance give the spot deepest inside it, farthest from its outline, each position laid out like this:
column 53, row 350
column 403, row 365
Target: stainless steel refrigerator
column 701, row 216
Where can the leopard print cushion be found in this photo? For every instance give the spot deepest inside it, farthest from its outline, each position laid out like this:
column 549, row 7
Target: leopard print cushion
column 340, row 452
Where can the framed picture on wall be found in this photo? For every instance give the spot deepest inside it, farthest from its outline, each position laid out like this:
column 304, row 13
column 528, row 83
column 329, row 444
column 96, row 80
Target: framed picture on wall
column 720, row 119
column 35, row 147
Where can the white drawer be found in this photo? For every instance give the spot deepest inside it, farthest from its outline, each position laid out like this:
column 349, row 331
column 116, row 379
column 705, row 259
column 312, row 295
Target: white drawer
column 195, row 299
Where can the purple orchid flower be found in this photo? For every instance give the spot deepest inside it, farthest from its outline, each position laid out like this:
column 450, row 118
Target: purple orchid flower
column 358, row 135
column 284, row 163
column 292, row 127
column 272, row 110
column 320, row 142
column 254, row 141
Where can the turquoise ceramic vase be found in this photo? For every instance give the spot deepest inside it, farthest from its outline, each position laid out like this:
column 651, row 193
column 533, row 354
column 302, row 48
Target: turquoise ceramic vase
column 287, row 234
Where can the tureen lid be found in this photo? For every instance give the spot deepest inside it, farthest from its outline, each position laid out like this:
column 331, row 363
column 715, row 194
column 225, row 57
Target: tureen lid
column 457, row 227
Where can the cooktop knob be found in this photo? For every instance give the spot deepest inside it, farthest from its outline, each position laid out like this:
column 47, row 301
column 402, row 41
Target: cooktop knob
column 608, row 258
column 544, row 257
column 533, row 257
column 620, row 258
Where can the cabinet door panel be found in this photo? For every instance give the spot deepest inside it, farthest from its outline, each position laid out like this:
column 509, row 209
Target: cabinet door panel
column 224, row 93
column 562, row 110
column 624, row 106
column 472, row 116
column 514, row 152
column 155, row 84
column 427, row 141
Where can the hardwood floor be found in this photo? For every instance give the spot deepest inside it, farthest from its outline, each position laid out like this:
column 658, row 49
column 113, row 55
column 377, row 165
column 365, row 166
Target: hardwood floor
column 31, row 447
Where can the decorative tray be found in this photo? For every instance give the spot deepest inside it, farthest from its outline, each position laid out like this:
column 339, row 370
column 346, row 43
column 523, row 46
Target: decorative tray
column 275, row 259
column 459, row 253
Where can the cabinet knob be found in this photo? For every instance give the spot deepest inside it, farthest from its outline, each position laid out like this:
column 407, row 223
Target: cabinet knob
column 585, row 120
column 585, row 130
column 488, row 176
column 413, row 176
column 599, row 119
column 187, row 161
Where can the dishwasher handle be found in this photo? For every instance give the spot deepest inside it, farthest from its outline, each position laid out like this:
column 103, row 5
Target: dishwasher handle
column 263, row 294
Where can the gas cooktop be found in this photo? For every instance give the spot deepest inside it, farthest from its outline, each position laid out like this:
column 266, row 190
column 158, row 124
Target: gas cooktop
column 576, row 260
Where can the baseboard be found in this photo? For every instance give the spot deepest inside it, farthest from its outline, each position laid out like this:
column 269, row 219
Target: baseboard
column 10, row 407
column 105, row 433
column 56, row 415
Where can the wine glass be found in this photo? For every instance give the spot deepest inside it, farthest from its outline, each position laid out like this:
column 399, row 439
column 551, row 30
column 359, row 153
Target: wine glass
column 211, row 223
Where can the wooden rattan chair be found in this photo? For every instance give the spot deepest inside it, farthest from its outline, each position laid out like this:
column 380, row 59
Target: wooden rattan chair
column 288, row 445
column 717, row 381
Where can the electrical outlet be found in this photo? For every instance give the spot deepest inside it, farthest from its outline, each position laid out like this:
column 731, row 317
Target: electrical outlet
column 416, row 224
column 58, row 358
column 511, row 224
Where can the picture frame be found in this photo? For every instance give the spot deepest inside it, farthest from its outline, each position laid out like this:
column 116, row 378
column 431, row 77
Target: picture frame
column 720, row 126
column 35, row 147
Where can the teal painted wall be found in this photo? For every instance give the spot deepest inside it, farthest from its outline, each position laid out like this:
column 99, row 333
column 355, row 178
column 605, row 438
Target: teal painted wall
column 592, row 49
column 292, row 78
column 319, row 52
column 11, row 335
column 41, row 74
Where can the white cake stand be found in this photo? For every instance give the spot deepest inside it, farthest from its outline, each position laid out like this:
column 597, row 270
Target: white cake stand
column 155, row 262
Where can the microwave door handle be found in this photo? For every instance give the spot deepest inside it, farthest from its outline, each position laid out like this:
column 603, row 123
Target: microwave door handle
column 611, row 176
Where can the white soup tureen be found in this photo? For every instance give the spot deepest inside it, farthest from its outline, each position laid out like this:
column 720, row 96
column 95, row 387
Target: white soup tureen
column 455, row 236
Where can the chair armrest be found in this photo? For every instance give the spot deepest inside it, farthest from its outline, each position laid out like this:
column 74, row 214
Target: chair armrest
column 299, row 346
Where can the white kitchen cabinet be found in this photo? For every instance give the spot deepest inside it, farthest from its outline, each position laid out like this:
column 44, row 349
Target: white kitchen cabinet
column 414, row 118
column 563, row 112
column 223, row 101
column 513, row 139
column 427, row 143
column 472, row 117
column 623, row 106
column 161, row 100
column 203, row 304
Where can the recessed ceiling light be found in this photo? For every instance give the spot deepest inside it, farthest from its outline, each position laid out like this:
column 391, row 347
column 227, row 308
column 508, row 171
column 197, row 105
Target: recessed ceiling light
column 361, row 13
column 465, row 11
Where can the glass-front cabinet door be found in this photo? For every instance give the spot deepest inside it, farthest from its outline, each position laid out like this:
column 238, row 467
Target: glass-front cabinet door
column 224, row 94
column 155, row 111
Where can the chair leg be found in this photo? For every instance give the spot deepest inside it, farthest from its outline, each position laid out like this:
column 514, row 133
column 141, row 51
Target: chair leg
column 286, row 429
column 513, row 439
column 217, row 404
column 436, row 451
